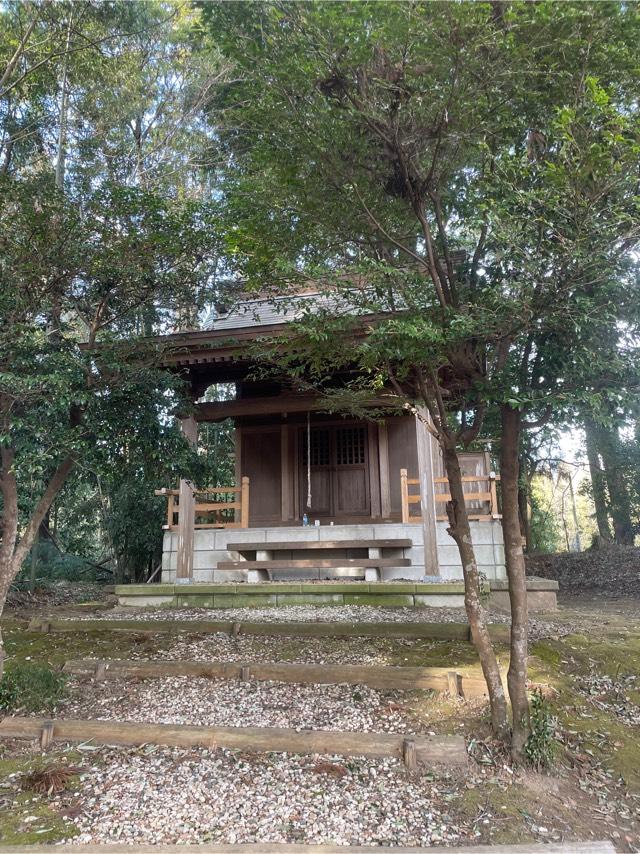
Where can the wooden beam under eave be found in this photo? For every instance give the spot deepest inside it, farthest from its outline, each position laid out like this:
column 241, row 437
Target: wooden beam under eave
column 219, row 410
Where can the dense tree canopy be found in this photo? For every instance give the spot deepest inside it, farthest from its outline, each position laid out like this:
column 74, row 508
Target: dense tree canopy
column 471, row 167
column 475, row 167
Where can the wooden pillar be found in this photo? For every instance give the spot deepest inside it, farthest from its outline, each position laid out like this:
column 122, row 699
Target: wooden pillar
column 186, row 515
column 374, row 471
column 425, row 443
column 244, row 502
column 237, row 461
column 383, row 461
column 286, row 491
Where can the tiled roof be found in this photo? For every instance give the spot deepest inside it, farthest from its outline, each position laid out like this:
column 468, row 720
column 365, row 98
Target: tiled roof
column 271, row 311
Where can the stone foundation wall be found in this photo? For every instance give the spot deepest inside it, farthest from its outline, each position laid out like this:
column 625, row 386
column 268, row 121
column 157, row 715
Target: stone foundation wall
column 210, row 547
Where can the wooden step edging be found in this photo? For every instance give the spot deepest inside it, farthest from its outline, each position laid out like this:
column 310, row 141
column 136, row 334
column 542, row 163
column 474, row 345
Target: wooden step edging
column 380, row 677
column 598, row 847
column 431, row 631
column 414, row 750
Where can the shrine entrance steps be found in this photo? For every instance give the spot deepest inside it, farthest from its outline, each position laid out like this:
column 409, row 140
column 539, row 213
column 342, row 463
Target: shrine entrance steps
column 260, row 559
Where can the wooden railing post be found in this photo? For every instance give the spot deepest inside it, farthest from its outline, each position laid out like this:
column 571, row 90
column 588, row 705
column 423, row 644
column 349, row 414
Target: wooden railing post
column 404, row 493
column 171, row 506
column 493, row 507
column 244, row 501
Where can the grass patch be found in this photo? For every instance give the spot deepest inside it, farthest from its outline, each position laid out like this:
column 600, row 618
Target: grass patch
column 30, row 687
column 27, row 817
column 502, row 813
column 55, row 648
column 601, row 734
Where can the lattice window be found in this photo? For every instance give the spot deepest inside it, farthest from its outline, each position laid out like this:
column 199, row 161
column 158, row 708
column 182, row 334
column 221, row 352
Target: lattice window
column 350, row 446
column 320, row 448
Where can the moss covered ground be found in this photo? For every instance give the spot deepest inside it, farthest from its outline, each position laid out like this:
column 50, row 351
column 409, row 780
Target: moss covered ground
column 591, row 791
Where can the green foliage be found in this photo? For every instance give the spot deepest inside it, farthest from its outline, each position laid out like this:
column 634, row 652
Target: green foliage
column 541, row 744
column 30, row 687
column 365, row 140
column 54, row 565
column 121, row 242
column 545, row 528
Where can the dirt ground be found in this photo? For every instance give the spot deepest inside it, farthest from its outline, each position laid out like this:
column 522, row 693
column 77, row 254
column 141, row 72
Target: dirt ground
column 590, row 676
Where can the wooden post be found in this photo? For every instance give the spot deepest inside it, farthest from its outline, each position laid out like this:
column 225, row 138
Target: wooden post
column 383, row 461
column 409, row 754
column 454, row 682
column 170, row 508
column 285, row 474
column 373, row 454
column 47, row 734
column 186, row 512
column 494, row 496
column 404, row 493
column 237, row 447
column 427, row 496
column 244, row 500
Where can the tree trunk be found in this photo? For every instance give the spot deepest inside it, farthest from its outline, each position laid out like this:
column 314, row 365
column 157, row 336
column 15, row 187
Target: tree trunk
column 597, row 480
column 609, row 447
column 516, row 573
column 460, row 530
column 64, row 112
column 34, row 565
column 524, row 491
column 14, row 549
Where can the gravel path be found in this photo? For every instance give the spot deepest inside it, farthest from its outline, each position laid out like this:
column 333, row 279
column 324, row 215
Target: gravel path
column 551, row 625
column 174, row 796
column 220, row 702
column 219, row 647
column 289, row 614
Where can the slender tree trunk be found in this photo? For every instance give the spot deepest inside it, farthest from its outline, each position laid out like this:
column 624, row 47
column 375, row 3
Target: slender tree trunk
column 524, row 491
column 516, row 573
column 460, row 530
column 609, row 447
column 598, row 482
column 574, row 514
column 14, row 548
column 64, row 112
column 34, row 565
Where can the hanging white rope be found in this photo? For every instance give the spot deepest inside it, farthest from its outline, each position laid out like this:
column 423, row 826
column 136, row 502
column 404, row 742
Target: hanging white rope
column 309, row 460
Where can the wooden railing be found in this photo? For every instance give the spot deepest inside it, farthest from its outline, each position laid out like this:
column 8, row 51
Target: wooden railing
column 489, row 497
column 409, row 498
column 224, row 511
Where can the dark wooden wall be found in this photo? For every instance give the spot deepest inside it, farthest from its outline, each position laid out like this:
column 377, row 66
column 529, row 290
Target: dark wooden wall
column 403, row 454
column 260, row 450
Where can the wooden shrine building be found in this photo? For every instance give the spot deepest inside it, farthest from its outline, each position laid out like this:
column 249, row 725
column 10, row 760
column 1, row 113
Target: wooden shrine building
column 373, row 491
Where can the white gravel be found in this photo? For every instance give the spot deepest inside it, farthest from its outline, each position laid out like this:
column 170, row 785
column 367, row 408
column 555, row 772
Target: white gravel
column 547, row 626
column 221, row 647
column 289, row 614
column 176, row 796
column 220, row 702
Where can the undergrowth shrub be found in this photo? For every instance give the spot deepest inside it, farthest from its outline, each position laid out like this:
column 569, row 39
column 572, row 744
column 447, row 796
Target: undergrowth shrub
column 50, row 779
column 32, row 687
column 541, row 744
